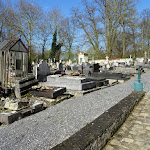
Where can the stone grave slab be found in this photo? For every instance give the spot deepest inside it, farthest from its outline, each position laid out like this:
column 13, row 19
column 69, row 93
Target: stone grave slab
column 48, row 92
column 100, row 81
column 70, row 82
column 10, row 117
column 16, row 104
column 107, row 75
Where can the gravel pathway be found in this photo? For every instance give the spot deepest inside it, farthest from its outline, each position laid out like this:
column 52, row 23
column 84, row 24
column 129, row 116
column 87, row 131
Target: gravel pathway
column 53, row 125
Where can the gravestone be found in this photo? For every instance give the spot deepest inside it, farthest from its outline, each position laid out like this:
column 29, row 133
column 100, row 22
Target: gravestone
column 96, row 67
column 60, row 67
column 35, row 67
column 43, row 71
column 52, row 92
column 145, row 58
column 68, row 67
column 70, row 82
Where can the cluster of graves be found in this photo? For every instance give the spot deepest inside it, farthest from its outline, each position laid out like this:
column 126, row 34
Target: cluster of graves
column 52, row 83
column 26, row 94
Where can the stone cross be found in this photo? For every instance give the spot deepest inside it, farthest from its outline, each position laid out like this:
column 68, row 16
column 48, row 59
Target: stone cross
column 107, row 58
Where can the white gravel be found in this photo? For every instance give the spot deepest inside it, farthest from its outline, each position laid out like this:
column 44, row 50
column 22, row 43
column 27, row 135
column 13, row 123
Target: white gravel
column 53, row 125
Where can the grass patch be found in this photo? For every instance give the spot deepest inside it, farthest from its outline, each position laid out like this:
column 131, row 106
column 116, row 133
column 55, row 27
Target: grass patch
column 55, row 120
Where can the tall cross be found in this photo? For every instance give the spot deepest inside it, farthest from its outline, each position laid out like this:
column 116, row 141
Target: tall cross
column 106, row 58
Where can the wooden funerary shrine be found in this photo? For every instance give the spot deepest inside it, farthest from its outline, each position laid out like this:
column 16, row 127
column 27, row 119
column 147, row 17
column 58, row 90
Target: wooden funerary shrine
column 13, row 61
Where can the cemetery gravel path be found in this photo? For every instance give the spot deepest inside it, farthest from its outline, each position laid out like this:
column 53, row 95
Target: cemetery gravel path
column 53, row 125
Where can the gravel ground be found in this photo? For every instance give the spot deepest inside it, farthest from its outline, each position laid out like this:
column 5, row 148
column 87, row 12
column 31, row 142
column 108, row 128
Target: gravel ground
column 53, row 125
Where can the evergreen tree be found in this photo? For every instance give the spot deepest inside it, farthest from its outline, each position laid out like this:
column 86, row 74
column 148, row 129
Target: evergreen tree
column 54, row 46
column 55, row 49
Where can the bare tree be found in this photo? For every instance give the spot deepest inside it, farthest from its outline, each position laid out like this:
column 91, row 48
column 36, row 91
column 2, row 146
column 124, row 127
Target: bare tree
column 24, row 19
column 3, row 16
column 88, row 20
column 67, row 30
column 55, row 17
column 43, row 34
column 145, row 24
column 110, row 9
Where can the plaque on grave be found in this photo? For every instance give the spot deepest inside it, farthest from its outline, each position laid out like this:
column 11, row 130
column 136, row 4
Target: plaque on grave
column 43, row 71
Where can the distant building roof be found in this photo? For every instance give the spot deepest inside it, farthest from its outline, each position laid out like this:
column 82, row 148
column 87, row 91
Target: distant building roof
column 8, row 44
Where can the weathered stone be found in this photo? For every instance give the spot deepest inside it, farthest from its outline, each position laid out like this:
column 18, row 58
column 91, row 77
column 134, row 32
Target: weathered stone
column 148, row 128
column 23, row 86
column 8, row 118
column 37, row 107
column 114, row 142
column 16, row 105
column 137, row 136
column 139, row 143
column 108, row 148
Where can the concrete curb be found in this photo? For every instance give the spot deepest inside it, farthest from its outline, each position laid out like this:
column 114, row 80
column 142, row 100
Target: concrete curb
column 95, row 135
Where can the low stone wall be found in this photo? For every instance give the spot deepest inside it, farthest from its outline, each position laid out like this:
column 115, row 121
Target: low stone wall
column 95, row 135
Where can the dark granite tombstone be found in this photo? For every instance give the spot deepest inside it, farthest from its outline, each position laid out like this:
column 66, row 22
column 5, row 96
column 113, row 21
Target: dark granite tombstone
column 100, row 81
column 107, row 75
column 53, row 93
column 96, row 67
column 60, row 67
column 43, row 71
column 68, row 67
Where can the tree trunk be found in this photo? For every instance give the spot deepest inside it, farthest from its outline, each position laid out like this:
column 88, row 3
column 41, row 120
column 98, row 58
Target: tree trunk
column 123, row 40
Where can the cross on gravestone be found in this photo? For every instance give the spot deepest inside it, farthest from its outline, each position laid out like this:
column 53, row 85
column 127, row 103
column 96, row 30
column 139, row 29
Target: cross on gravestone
column 107, row 58
column 130, row 57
